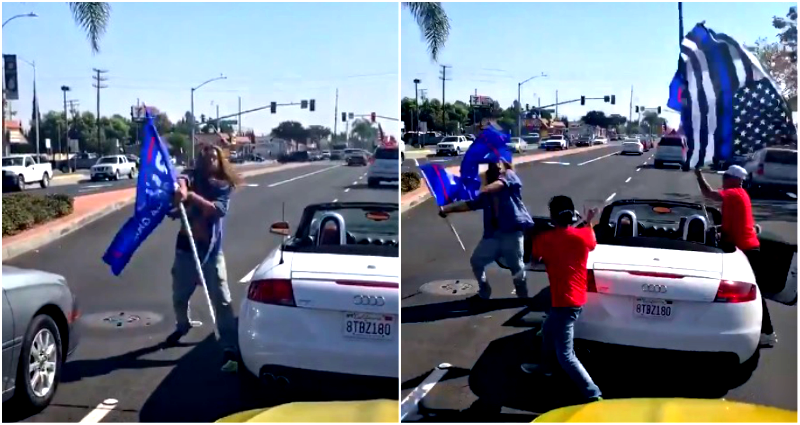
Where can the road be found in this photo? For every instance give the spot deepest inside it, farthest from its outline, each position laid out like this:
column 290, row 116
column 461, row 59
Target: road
column 485, row 345
column 448, row 161
column 181, row 384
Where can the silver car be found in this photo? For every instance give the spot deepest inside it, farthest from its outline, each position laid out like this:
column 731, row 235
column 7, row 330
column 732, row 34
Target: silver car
column 39, row 332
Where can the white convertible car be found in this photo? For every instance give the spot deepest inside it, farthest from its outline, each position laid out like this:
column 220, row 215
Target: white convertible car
column 660, row 279
column 328, row 299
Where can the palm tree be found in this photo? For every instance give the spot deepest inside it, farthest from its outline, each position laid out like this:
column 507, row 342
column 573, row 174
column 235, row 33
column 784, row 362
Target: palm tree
column 93, row 17
column 433, row 22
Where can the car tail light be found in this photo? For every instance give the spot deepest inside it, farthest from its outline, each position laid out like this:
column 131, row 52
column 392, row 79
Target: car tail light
column 735, row 292
column 272, row 291
column 591, row 286
column 760, row 169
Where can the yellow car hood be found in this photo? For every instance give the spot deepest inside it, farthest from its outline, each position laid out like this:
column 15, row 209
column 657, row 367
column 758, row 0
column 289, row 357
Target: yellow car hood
column 337, row 411
column 668, row 410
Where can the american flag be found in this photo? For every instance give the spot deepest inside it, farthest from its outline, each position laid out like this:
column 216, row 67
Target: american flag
column 729, row 105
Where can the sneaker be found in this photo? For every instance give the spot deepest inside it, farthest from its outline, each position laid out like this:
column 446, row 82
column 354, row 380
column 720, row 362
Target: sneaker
column 532, row 368
column 175, row 337
column 768, row 340
column 230, row 362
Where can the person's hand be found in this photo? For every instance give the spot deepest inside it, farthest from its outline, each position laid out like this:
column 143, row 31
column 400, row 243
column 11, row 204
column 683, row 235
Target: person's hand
column 182, row 193
column 442, row 214
column 590, row 215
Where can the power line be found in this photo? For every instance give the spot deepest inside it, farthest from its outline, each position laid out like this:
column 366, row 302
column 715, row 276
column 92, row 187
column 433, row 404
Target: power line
column 98, row 84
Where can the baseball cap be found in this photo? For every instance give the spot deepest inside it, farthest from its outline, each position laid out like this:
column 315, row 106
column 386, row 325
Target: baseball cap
column 736, row 172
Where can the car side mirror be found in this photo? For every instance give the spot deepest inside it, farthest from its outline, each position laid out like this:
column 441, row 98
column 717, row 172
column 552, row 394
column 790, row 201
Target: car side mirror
column 280, row 228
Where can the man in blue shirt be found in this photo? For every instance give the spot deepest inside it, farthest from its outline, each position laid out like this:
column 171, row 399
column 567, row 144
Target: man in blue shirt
column 505, row 219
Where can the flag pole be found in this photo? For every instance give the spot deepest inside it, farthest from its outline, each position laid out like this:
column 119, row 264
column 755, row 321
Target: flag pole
column 197, row 264
column 458, row 238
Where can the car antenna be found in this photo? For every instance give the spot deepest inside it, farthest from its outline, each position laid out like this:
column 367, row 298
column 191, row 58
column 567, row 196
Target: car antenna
column 283, row 219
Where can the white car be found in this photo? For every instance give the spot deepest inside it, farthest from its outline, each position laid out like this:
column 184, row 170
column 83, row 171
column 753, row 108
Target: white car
column 599, row 141
column 659, row 279
column 383, row 166
column 453, row 145
column 556, row 141
column 772, row 167
column 517, row 145
column 671, row 150
column 112, row 167
column 21, row 170
column 328, row 300
column 632, row 146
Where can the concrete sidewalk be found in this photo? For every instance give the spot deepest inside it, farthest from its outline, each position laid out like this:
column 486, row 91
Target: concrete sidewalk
column 90, row 208
column 415, row 197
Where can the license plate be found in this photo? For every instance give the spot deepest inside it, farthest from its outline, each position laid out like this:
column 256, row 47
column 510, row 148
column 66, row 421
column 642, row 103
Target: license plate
column 652, row 308
column 369, row 326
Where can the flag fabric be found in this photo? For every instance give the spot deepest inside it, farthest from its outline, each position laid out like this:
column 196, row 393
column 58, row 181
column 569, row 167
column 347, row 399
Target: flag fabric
column 445, row 187
column 154, row 199
column 729, row 105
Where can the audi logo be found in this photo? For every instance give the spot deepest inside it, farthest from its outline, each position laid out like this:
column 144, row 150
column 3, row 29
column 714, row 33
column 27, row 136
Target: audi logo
column 660, row 289
column 368, row 300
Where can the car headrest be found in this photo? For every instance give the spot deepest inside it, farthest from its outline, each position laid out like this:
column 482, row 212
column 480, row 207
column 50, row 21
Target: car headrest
column 320, row 228
column 695, row 228
column 629, row 229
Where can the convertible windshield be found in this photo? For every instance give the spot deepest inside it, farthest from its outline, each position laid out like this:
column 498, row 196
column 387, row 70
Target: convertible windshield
column 655, row 213
column 367, row 221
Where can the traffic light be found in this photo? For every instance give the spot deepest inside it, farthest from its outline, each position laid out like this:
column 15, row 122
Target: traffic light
column 659, row 110
column 273, row 107
column 372, row 116
column 613, row 99
column 344, row 116
column 303, row 104
column 606, row 99
column 637, row 109
column 311, row 105
column 527, row 107
column 583, row 100
column 10, row 66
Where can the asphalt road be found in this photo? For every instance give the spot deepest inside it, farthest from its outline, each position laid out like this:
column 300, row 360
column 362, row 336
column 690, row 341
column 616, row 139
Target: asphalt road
column 486, row 344
column 181, row 384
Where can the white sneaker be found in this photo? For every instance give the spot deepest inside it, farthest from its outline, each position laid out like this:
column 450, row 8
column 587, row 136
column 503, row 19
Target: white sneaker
column 768, row 340
column 195, row 323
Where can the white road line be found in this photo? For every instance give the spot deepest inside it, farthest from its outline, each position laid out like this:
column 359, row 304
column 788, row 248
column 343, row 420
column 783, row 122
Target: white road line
column 410, row 403
column 611, row 197
column 596, row 159
column 100, row 412
column 555, row 162
column 249, row 275
column 355, row 182
column 303, row 176
column 335, row 200
column 638, row 169
column 252, row 185
column 347, row 190
column 629, row 179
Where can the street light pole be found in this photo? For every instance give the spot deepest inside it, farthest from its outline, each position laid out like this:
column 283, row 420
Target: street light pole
column 65, row 89
column 519, row 102
column 416, row 105
column 3, row 119
column 24, row 15
column 221, row 77
column 36, row 103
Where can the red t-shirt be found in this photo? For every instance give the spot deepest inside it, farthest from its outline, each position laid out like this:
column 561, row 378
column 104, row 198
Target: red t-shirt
column 738, row 226
column 565, row 252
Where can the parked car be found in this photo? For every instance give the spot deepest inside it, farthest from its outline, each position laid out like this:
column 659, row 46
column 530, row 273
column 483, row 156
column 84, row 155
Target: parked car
column 21, row 170
column 532, row 139
column 40, row 314
column 671, row 149
column 453, row 145
column 517, row 145
column 326, row 154
column 632, row 146
column 772, row 167
column 383, row 166
column 583, row 140
column 599, row 140
column 556, row 141
column 296, row 156
column 112, row 167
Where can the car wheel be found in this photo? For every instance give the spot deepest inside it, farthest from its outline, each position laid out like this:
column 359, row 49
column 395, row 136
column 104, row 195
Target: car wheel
column 39, row 363
column 372, row 183
column 21, row 182
column 116, row 175
column 45, row 181
column 658, row 164
column 132, row 174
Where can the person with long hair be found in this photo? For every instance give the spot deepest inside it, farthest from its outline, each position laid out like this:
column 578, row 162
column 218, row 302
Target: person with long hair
column 505, row 219
column 205, row 192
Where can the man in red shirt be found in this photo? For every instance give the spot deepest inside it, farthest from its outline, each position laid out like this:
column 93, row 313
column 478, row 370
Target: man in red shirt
column 738, row 228
column 565, row 251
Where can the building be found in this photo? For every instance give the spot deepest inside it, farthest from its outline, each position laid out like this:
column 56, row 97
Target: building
column 16, row 137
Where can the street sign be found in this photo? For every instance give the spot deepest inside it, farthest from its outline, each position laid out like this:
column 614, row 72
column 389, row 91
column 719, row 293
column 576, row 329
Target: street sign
column 10, row 75
column 423, row 126
column 73, row 145
column 47, row 143
column 351, row 115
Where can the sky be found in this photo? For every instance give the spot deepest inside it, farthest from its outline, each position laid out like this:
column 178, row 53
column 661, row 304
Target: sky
column 155, row 52
column 586, row 49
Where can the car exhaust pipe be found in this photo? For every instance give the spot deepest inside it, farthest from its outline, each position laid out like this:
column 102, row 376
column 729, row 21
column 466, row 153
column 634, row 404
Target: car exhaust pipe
column 282, row 382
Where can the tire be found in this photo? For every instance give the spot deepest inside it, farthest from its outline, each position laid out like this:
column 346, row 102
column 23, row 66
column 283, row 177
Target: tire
column 132, row 174
column 45, row 181
column 116, row 175
column 658, row 164
column 41, row 328
column 21, row 183
column 372, row 183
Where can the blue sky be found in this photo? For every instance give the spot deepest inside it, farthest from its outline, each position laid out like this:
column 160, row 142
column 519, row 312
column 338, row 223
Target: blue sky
column 588, row 49
column 269, row 51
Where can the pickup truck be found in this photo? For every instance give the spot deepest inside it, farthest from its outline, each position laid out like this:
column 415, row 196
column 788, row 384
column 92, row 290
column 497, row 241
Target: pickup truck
column 22, row 170
column 112, row 167
column 453, row 145
column 556, row 141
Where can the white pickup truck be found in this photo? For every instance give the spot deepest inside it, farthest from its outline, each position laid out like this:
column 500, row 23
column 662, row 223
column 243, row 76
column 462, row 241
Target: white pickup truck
column 22, row 169
column 112, row 167
column 453, row 145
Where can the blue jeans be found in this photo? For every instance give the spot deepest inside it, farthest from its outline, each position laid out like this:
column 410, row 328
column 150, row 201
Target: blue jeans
column 509, row 247
column 558, row 333
column 184, row 283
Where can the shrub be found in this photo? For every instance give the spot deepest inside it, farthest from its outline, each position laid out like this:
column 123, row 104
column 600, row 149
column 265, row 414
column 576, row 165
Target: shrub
column 23, row 211
column 409, row 181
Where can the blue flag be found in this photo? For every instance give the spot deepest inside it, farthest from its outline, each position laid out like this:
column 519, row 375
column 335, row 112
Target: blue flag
column 154, row 199
column 445, row 187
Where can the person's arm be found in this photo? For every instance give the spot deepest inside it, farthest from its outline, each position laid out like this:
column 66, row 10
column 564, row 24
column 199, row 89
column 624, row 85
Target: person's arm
column 707, row 191
column 217, row 206
column 494, row 187
column 589, row 237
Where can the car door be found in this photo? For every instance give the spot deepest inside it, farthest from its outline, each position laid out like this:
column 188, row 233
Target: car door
column 30, row 170
column 8, row 346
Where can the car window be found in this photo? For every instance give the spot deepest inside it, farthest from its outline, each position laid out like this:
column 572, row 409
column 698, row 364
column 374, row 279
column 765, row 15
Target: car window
column 28, row 161
column 107, row 160
column 781, row 157
column 671, row 141
column 646, row 214
column 12, row 162
column 450, row 139
column 383, row 153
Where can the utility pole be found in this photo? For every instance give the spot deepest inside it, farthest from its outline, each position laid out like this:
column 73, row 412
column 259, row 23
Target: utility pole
column 474, row 115
column 98, row 84
column 216, row 123
column 416, row 106
column 336, row 115
column 443, row 77
column 64, row 89
column 239, row 120
column 556, row 104
column 630, row 108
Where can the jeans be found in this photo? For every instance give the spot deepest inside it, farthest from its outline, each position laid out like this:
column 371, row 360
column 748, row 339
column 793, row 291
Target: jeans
column 509, row 247
column 184, row 282
column 558, row 333
column 754, row 257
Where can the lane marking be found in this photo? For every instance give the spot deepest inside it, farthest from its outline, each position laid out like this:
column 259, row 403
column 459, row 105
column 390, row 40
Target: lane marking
column 335, row 199
column 638, row 169
column 611, row 197
column 355, row 182
column 96, row 186
column 629, row 179
column 251, row 185
column 597, row 159
column 248, row 276
column 303, row 176
column 555, row 162
column 347, row 190
column 412, row 400
column 100, row 412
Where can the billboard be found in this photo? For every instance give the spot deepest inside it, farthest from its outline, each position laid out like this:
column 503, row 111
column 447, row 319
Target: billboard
column 481, row 101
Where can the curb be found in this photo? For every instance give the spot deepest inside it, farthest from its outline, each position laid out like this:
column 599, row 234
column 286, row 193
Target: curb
column 416, row 197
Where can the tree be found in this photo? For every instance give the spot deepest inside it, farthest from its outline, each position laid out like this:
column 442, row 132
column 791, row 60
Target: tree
column 596, row 119
column 93, row 17
column 364, row 133
column 291, row 130
column 617, row 121
column 433, row 22
column 653, row 121
column 778, row 64
column 178, row 144
column 565, row 121
column 163, row 125
column 318, row 132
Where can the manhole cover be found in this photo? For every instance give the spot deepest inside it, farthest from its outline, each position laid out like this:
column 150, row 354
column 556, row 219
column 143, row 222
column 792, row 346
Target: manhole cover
column 451, row 287
column 122, row 319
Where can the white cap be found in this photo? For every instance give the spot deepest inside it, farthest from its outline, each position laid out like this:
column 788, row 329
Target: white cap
column 737, row 172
